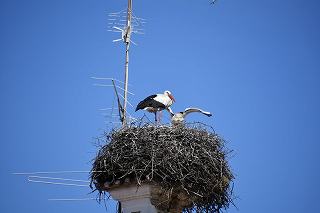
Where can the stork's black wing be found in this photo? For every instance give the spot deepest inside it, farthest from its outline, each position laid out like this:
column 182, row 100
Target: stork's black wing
column 150, row 102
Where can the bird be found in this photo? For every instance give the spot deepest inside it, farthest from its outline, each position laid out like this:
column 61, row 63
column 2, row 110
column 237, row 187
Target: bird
column 178, row 118
column 157, row 102
column 213, row 2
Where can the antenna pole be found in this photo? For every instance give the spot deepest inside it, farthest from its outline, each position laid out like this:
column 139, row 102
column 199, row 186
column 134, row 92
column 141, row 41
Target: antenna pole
column 126, row 39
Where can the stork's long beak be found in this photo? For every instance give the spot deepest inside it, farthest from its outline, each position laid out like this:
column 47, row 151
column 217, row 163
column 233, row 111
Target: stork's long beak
column 172, row 98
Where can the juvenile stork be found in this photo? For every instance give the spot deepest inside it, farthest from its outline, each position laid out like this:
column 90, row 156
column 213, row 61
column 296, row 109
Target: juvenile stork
column 178, row 118
column 158, row 102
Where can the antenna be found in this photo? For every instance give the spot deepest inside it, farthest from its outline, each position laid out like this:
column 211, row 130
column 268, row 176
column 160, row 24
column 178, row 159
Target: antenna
column 119, row 98
column 126, row 39
column 125, row 23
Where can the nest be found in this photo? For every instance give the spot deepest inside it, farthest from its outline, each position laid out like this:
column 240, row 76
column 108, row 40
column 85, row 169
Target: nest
column 187, row 160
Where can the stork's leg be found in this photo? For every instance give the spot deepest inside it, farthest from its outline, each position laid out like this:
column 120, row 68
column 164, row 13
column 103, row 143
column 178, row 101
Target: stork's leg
column 160, row 116
column 155, row 117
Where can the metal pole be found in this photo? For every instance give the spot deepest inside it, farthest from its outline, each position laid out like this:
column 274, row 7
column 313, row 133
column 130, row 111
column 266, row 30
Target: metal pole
column 124, row 121
column 126, row 75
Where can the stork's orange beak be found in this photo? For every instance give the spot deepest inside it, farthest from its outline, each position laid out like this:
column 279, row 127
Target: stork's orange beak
column 172, row 98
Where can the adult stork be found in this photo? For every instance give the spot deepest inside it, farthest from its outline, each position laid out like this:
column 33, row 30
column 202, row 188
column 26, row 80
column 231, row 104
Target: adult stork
column 158, row 102
column 178, row 118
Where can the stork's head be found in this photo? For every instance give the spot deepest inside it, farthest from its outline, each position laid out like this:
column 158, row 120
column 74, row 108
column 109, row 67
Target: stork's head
column 168, row 93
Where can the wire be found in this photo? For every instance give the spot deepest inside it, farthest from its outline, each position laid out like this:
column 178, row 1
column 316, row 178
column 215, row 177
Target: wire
column 54, row 172
column 55, row 178
column 73, row 199
column 103, row 78
column 56, row 183
column 109, row 85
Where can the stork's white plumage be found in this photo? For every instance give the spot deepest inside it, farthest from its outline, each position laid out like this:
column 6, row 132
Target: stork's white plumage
column 158, row 102
column 178, row 118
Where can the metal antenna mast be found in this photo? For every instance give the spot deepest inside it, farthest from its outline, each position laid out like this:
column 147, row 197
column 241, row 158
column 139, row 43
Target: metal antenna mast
column 126, row 39
column 126, row 23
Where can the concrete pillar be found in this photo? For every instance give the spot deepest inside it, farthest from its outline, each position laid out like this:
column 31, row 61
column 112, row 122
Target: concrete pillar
column 134, row 199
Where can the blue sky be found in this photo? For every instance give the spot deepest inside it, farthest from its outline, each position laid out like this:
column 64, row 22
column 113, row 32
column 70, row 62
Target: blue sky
column 254, row 64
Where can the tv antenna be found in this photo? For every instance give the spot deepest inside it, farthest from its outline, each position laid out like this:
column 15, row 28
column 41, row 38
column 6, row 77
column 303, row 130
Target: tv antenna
column 126, row 27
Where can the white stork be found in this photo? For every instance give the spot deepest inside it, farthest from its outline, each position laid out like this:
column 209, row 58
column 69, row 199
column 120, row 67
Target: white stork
column 158, row 102
column 178, row 118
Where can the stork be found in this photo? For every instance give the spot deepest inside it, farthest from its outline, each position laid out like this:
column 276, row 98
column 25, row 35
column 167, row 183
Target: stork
column 158, row 102
column 178, row 118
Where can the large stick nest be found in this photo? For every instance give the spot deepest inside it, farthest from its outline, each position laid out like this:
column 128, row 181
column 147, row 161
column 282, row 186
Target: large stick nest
column 186, row 158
